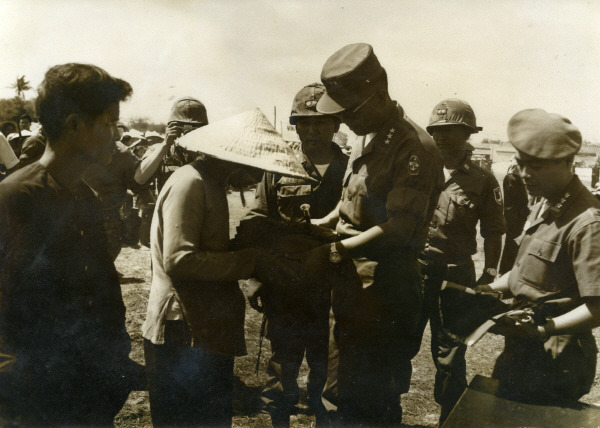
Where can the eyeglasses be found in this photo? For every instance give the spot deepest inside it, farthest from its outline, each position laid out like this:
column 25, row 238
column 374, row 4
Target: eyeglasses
column 363, row 103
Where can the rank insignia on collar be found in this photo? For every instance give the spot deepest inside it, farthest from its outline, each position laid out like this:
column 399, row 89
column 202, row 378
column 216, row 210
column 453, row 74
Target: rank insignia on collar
column 389, row 136
column 498, row 195
column 556, row 208
column 414, row 165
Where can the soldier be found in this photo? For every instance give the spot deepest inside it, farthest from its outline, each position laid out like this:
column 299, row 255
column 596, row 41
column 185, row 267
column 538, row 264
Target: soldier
column 393, row 180
column 471, row 195
column 551, row 358
column 187, row 114
column 516, row 211
column 302, row 327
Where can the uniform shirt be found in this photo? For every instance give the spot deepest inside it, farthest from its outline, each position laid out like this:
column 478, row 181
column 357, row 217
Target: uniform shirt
column 61, row 310
column 281, row 197
column 398, row 173
column 191, row 263
column 516, row 207
column 559, row 253
column 110, row 182
column 470, row 195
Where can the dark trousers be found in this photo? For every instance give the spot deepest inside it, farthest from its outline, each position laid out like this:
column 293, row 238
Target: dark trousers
column 188, row 386
column 65, row 395
column 289, row 345
column 448, row 355
column 376, row 341
column 559, row 371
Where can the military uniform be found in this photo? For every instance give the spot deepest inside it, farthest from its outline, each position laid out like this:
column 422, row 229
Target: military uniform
column 397, row 174
column 303, row 326
column 516, row 211
column 558, row 264
column 471, row 195
column 550, row 357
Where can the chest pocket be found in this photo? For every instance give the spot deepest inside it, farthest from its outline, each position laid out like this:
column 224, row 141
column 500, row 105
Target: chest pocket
column 289, row 199
column 462, row 210
column 538, row 266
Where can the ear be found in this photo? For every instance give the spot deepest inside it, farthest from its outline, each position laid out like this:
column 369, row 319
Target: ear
column 73, row 124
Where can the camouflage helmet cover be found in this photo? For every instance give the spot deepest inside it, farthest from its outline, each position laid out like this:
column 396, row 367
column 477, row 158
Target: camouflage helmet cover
column 305, row 102
column 453, row 112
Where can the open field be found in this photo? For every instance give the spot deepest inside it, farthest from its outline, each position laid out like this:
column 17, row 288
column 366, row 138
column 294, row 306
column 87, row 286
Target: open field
column 419, row 407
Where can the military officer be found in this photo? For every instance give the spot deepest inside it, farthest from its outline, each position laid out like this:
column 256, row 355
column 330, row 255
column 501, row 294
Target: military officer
column 471, row 195
column 556, row 275
column 302, row 325
column 392, row 183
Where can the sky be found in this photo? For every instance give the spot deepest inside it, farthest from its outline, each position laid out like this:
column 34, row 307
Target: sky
column 501, row 56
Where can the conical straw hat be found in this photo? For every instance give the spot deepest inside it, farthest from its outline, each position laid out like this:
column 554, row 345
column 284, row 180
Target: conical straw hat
column 248, row 139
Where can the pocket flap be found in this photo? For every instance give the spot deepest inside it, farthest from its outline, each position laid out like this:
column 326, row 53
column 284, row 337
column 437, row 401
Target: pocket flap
column 544, row 249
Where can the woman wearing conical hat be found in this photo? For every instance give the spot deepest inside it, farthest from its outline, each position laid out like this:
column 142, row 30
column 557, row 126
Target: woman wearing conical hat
column 195, row 320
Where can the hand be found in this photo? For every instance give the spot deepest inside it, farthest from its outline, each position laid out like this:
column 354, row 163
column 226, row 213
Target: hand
column 271, row 269
column 485, row 278
column 483, row 288
column 174, row 131
column 519, row 325
column 254, row 292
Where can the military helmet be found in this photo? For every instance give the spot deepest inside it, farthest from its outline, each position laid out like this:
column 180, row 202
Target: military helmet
column 305, row 102
column 453, row 112
column 188, row 110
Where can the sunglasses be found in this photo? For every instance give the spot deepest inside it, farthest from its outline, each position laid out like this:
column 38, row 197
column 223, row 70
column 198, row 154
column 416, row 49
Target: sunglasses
column 361, row 104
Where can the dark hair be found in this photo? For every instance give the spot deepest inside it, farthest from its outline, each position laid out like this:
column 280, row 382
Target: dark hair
column 26, row 116
column 76, row 88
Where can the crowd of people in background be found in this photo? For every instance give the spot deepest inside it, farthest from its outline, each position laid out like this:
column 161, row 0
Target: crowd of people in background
column 349, row 254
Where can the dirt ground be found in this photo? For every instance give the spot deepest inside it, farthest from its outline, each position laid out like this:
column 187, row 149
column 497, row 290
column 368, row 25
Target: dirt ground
column 419, row 408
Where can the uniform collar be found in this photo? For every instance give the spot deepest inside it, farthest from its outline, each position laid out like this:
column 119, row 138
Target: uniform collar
column 310, row 167
column 388, row 132
column 556, row 210
column 570, row 193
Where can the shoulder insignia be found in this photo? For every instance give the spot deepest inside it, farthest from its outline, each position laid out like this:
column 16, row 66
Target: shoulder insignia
column 389, row 136
column 414, row 165
column 498, row 195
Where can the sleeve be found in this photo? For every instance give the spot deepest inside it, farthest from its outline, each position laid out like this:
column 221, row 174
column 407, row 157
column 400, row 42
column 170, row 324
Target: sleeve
column 491, row 212
column 415, row 187
column 183, row 211
column 515, row 205
column 265, row 198
column 585, row 255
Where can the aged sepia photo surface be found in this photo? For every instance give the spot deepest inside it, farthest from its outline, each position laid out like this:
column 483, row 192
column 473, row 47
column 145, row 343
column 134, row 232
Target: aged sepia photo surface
column 234, row 56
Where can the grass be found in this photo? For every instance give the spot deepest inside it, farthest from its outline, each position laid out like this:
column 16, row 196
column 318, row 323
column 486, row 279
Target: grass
column 419, row 407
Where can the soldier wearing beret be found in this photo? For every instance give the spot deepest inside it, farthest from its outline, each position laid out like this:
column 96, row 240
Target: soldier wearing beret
column 471, row 195
column 392, row 183
column 550, row 356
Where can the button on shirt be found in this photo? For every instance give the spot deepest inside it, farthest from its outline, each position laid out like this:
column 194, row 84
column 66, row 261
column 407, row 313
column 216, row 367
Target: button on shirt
column 471, row 195
column 398, row 173
column 559, row 253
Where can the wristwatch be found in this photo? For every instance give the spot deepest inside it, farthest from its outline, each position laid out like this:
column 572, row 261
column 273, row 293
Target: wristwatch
column 334, row 255
column 491, row 271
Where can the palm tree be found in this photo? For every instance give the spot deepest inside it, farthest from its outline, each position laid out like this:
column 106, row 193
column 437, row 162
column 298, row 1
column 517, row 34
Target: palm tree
column 20, row 86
